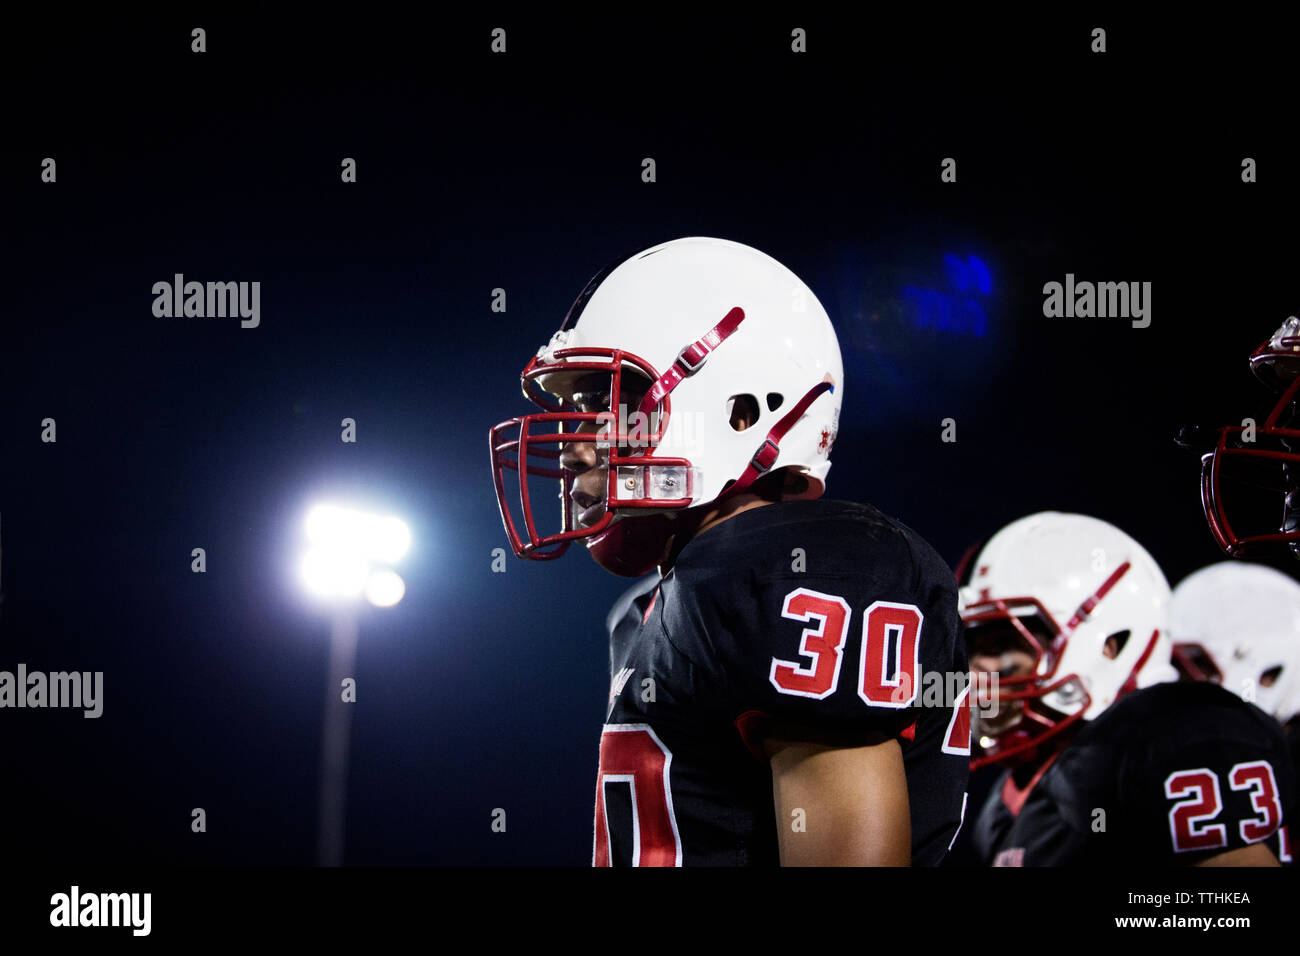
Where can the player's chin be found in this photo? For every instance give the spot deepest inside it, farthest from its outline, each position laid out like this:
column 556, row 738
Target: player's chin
column 1007, row 719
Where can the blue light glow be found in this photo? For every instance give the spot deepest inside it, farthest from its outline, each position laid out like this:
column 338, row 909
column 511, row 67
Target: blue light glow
column 949, row 311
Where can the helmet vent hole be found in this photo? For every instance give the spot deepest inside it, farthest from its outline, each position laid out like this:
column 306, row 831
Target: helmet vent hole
column 1115, row 644
column 774, row 400
column 743, row 411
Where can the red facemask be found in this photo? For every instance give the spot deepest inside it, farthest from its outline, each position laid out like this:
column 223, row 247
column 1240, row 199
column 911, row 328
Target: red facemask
column 1039, row 727
column 635, row 477
column 1250, row 480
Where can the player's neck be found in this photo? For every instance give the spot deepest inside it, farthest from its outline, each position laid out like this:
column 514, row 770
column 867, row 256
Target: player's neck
column 708, row 517
column 729, row 509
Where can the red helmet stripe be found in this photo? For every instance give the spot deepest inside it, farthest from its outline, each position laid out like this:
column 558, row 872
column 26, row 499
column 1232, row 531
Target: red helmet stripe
column 690, row 358
column 1087, row 606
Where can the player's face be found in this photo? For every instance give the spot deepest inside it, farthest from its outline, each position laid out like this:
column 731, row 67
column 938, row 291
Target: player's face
column 997, row 647
column 591, row 393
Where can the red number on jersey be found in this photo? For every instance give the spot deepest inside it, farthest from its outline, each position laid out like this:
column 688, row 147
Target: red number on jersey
column 1187, row 819
column 634, row 754
column 823, row 644
column 957, row 740
column 1257, row 777
column 902, row 623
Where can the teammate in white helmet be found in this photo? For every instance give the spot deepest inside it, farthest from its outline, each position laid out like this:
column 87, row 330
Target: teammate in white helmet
column 1238, row 625
column 1109, row 759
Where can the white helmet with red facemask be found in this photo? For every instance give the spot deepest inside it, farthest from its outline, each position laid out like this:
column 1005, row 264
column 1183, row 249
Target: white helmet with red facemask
column 1087, row 602
column 1238, row 625
column 700, row 324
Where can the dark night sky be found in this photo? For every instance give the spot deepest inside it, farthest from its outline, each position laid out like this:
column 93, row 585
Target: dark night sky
column 484, row 690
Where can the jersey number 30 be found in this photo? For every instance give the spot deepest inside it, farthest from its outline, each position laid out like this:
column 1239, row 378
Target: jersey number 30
column 887, row 669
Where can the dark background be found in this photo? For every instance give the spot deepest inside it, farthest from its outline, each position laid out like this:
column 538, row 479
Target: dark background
column 522, row 171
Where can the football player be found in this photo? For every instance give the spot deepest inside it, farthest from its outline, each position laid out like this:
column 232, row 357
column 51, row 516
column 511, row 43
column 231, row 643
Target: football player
column 1250, row 479
column 1238, row 625
column 1109, row 759
column 766, row 701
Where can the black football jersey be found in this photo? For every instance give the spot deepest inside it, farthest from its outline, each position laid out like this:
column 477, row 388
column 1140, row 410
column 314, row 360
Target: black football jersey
column 815, row 620
column 1166, row 776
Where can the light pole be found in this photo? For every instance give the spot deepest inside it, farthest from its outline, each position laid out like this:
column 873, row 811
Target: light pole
column 336, row 736
column 347, row 558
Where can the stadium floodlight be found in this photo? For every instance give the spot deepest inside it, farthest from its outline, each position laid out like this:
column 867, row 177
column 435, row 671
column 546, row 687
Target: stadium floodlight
column 348, row 553
column 384, row 588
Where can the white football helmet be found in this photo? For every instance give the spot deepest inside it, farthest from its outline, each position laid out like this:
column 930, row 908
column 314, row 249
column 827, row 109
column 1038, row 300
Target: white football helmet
column 703, row 323
column 1239, row 625
column 1058, row 586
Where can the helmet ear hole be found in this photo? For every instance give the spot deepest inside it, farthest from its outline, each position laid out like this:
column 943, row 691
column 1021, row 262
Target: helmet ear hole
column 1115, row 644
column 743, row 411
column 1270, row 676
column 774, row 400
